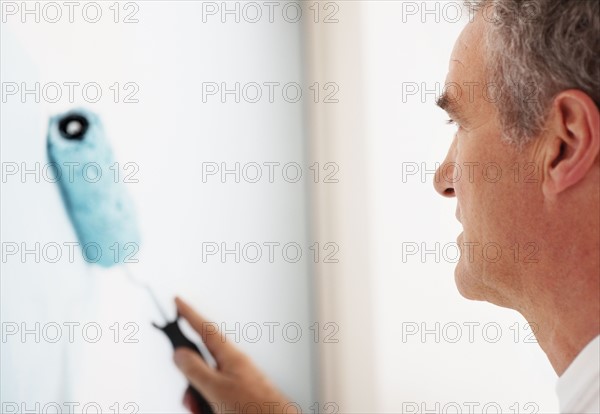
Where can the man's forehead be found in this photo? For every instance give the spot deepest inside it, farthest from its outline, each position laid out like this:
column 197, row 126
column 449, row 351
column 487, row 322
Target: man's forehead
column 466, row 60
column 466, row 73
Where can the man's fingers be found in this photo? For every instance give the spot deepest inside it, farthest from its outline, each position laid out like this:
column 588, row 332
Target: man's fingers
column 199, row 374
column 220, row 349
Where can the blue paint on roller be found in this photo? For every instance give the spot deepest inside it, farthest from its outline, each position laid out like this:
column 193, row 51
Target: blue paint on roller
column 96, row 199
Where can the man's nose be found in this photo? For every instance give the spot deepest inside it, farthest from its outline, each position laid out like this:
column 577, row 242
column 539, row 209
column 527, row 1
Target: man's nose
column 446, row 173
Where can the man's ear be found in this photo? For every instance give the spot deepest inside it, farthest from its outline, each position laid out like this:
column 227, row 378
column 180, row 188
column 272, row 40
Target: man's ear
column 573, row 141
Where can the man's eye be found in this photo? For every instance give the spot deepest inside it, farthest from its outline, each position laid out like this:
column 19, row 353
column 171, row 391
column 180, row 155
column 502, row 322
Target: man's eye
column 456, row 124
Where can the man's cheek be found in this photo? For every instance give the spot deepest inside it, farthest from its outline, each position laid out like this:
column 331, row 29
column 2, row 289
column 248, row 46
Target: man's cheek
column 463, row 196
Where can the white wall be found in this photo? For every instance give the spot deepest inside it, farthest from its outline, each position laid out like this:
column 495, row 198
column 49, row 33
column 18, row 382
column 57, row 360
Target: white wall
column 168, row 134
column 337, row 136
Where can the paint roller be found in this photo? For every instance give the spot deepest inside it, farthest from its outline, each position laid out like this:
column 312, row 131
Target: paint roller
column 100, row 207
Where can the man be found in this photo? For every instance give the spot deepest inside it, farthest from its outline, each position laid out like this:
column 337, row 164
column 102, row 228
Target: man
column 531, row 109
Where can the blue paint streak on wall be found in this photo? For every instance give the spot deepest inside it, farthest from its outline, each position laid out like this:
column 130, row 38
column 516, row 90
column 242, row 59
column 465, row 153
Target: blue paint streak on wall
column 93, row 190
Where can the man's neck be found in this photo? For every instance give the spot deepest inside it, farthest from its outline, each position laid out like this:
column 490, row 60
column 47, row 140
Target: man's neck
column 562, row 348
column 565, row 324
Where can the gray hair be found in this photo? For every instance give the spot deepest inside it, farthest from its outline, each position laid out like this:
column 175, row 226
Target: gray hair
column 536, row 49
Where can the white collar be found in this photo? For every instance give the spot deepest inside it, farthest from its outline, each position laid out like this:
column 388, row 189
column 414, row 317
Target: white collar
column 584, row 368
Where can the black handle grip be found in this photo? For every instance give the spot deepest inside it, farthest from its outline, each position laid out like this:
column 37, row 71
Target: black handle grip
column 178, row 339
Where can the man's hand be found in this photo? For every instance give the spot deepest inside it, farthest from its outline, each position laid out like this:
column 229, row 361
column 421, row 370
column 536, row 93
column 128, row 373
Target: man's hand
column 235, row 384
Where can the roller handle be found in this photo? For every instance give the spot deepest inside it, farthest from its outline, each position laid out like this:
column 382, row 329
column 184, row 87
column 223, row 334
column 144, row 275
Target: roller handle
column 178, row 339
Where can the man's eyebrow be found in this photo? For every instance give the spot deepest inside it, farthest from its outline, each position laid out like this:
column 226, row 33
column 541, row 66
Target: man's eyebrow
column 449, row 105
